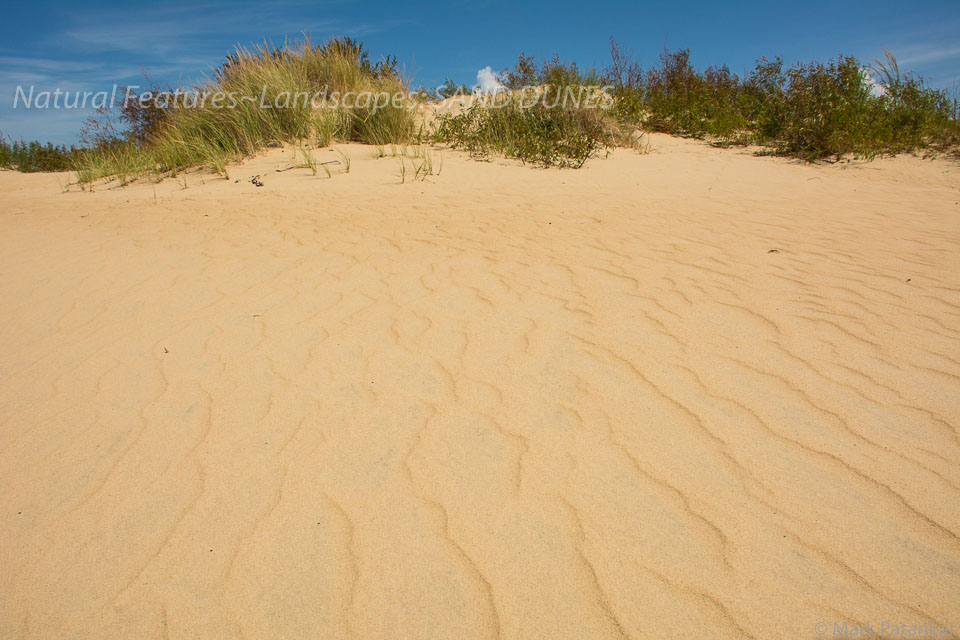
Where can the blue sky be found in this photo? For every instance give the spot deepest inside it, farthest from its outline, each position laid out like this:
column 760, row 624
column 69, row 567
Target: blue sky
column 90, row 46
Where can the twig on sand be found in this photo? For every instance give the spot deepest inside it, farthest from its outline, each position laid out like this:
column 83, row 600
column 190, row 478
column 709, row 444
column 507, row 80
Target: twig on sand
column 301, row 166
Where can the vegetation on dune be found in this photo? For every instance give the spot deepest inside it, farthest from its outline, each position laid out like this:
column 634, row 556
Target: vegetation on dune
column 812, row 111
column 552, row 114
column 267, row 96
column 564, row 137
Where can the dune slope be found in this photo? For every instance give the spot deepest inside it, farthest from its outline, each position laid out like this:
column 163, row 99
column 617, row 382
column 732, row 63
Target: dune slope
column 693, row 393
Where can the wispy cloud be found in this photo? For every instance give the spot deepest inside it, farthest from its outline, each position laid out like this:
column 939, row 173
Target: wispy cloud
column 184, row 31
column 927, row 53
column 173, row 43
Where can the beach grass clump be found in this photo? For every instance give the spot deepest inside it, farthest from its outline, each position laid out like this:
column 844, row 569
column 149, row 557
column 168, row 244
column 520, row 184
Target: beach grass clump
column 122, row 160
column 265, row 96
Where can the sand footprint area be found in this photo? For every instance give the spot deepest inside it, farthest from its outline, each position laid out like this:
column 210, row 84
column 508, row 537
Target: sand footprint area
column 688, row 394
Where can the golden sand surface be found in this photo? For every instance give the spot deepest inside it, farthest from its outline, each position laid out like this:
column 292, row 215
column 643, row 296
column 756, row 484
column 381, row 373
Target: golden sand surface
column 688, row 394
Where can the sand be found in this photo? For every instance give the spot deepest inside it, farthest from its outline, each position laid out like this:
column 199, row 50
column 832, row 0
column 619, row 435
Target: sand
column 688, row 394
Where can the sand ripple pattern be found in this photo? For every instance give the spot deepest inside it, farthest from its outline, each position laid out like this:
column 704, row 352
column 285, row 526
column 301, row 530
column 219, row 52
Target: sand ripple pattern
column 689, row 394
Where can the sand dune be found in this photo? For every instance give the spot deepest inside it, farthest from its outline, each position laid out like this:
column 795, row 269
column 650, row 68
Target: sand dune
column 689, row 394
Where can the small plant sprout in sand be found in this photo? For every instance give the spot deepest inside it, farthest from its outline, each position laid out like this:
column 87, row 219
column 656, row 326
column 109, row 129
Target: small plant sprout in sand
column 309, row 162
column 344, row 159
column 423, row 167
column 421, row 161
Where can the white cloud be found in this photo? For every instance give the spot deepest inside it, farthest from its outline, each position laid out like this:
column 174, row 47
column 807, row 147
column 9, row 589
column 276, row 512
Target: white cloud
column 488, row 82
column 876, row 88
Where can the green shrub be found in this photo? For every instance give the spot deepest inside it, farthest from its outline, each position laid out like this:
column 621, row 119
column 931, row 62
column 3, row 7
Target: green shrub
column 539, row 134
column 812, row 111
column 828, row 112
column 547, row 117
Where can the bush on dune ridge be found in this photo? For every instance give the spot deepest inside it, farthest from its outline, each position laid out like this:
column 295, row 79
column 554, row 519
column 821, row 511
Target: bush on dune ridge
column 545, row 116
column 812, row 111
column 548, row 136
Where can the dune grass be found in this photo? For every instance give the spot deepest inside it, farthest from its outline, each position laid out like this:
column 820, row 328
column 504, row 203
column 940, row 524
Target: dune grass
column 267, row 99
column 421, row 158
column 344, row 159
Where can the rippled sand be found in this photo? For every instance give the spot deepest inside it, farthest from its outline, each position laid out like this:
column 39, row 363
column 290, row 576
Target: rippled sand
column 689, row 394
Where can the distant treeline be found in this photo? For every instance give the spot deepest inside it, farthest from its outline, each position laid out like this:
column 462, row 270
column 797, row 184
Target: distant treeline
column 36, row 156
